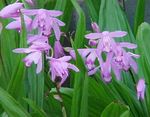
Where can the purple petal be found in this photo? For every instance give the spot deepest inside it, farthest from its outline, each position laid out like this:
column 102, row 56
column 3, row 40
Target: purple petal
column 30, row 12
column 53, row 75
column 35, row 22
column 117, row 71
column 60, row 23
column 58, row 50
column 54, row 13
column 92, row 42
column 39, row 38
column 128, row 45
column 63, row 80
column 65, row 58
column 134, row 55
column 56, row 31
column 134, row 66
column 39, row 66
column 117, row 34
column 95, row 27
column 73, row 67
column 11, row 10
column 14, row 25
column 23, row 50
column 93, row 36
column 140, row 87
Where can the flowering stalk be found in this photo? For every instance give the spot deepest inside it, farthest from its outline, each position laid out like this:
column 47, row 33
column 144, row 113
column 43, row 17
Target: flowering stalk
column 61, row 100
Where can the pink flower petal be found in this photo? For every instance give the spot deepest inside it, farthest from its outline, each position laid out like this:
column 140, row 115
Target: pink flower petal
column 65, row 58
column 93, row 36
column 39, row 66
column 56, row 31
column 118, row 34
column 73, row 67
column 95, row 27
column 11, row 10
column 128, row 45
column 54, row 13
column 29, row 12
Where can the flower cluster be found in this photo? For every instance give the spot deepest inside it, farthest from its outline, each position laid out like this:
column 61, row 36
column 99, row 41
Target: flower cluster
column 110, row 54
column 45, row 23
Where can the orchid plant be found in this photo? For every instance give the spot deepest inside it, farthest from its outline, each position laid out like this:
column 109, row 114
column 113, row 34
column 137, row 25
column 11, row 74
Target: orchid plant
column 103, row 71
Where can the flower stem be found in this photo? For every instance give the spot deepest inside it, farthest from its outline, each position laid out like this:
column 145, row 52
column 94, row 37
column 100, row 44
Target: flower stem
column 61, row 102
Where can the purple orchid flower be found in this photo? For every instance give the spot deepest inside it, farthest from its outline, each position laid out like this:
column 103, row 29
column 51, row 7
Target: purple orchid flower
column 105, row 39
column 59, row 68
column 123, row 60
column 12, row 10
column 58, row 50
column 17, row 23
column 140, row 87
column 45, row 21
column 34, row 54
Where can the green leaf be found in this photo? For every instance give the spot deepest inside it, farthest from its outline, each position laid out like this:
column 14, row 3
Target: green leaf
column 139, row 15
column 52, row 107
column 99, row 97
column 129, row 98
column 143, row 41
column 36, row 85
column 11, row 106
column 115, row 109
column 80, row 94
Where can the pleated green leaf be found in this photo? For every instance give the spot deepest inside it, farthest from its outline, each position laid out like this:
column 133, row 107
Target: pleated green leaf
column 129, row 98
column 16, row 82
column 80, row 94
column 143, row 41
column 11, row 106
column 8, row 61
